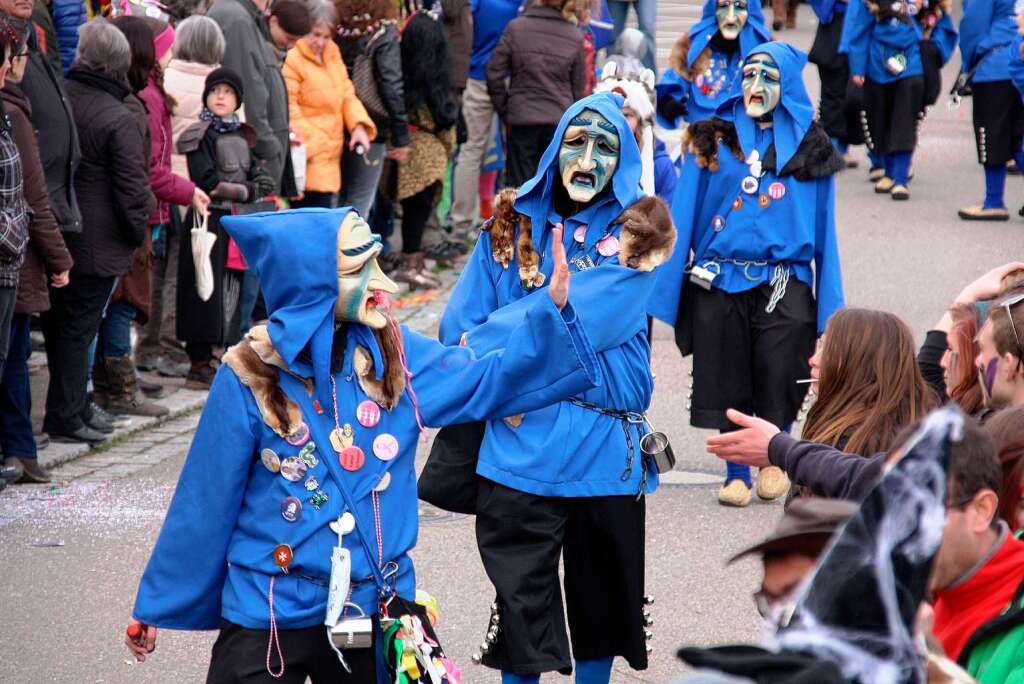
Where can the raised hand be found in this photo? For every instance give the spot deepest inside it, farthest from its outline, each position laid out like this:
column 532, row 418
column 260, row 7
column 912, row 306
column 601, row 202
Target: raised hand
column 559, row 287
column 748, row 445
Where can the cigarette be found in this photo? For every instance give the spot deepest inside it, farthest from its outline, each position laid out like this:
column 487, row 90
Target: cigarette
column 806, row 381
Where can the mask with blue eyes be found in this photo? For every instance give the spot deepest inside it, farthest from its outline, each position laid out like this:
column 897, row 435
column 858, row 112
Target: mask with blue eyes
column 731, row 16
column 588, row 156
column 762, row 85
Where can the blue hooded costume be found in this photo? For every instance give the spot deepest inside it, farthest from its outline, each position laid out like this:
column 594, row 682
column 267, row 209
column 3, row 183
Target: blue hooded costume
column 793, row 230
column 869, row 43
column 721, row 79
column 566, row 450
column 215, row 556
column 987, row 30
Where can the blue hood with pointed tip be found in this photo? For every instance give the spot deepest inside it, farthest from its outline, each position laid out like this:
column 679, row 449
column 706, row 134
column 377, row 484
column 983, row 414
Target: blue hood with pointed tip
column 534, row 198
column 701, row 33
column 793, row 115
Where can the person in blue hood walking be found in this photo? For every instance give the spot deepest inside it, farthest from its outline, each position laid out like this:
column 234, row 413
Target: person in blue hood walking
column 882, row 43
column 841, row 100
column 755, row 206
column 987, row 31
column 296, row 508
column 704, row 66
column 569, row 480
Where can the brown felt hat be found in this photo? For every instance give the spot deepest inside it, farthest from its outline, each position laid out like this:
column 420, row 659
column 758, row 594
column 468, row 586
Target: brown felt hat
column 806, row 524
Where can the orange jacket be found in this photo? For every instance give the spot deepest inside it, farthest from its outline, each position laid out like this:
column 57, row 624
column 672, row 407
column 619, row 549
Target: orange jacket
column 323, row 107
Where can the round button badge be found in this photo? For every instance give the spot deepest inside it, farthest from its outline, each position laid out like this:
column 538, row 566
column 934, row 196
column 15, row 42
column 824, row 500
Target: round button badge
column 291, row 509
column 383, row 483
column 385, row 447
column 352, row 459
column 580, row 234
column 608, row 246
column 368, row 413
column 271, row 461
column 749, row 185
column 299, row 437
column 777, row 190
column 293, row 469
column 283, row 556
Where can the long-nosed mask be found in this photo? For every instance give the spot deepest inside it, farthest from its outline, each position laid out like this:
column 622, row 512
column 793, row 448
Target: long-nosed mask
column 362, row 285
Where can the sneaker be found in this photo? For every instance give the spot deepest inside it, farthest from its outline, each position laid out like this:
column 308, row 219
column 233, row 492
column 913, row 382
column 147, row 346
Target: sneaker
column 771, row 483
column 32, row 472
column 876, row 173
column 900, row 193
column 84, row 434
column 735, row 493
column 12, row 469
column 979, row 213
column 95, row 418
column 445, row 250
column 168, row 368
column 884, row 186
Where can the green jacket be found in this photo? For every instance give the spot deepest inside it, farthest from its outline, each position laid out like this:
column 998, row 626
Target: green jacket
column 995, row 653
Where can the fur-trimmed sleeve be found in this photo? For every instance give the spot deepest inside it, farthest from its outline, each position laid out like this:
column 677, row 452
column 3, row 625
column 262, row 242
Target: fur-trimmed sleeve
column 648, row 235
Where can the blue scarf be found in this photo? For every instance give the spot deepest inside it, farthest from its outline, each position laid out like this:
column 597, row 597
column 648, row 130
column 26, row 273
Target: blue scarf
column 221, row 124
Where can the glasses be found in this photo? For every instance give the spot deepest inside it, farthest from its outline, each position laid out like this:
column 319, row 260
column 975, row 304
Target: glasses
column 1008, row 304
column 960, row 503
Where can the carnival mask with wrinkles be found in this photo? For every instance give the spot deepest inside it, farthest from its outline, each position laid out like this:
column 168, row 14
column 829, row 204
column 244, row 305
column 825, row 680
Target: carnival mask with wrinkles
column 362, row 285
column 762, row 85
column 588, row 156
column 731, row 16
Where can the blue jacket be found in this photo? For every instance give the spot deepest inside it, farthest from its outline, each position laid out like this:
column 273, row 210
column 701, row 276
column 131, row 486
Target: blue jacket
column 490, row 17
column 868, row 43
column 722, row 77
column 794, row 230
column 1016, row 66
column 213, row 558
column 826, row 10
column 945, row 37
column 666, row 177
column 565, row 449
column 68, row 16
column 986, row 31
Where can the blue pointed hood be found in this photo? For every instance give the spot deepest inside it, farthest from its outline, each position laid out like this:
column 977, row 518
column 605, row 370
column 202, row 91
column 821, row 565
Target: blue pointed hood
column 534, row 198
column 295, row 255
column 792, row 117
column 754, row 31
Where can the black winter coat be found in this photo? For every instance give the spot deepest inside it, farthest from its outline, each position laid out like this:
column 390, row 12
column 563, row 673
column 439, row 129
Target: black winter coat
column 387, row 65
column 112, row 182
column 56, row 133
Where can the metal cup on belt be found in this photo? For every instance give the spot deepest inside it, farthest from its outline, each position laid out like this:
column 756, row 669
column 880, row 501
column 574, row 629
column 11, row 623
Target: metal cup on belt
column 655, row 445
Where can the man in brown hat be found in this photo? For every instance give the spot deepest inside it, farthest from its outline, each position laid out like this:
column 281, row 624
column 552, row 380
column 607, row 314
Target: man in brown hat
column 791, row 551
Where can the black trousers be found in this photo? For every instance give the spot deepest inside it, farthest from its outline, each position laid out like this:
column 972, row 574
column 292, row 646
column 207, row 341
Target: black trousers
column 998, row 121
column 69, row 327
column 892, row 113
column 601, row 542
column 415, row 214
column 240, row 657
column 526, row 145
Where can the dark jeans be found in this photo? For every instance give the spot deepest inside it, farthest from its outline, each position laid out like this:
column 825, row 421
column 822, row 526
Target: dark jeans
column 8, row 300
column 526, row 145
column 313, row 198
column 16, row 395
column 415, row 214
column 69, row 328
column 116, row 330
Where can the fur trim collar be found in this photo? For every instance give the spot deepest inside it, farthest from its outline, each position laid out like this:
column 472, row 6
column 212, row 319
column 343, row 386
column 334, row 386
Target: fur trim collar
column 677, row 57
column 815, row 157
column 646, row 239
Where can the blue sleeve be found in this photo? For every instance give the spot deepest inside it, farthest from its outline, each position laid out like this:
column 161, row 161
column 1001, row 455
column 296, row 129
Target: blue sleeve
column 974, row 27
column 691, row 189
column 181, row 588
column 593, row 293
column 857, row 25
column 474, row 296
column 665, row 178
column 828, row 275
column 1017, row 64
column 547, row 358
column 945, row 38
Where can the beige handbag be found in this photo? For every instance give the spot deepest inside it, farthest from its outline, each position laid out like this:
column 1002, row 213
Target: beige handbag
column 202, row 246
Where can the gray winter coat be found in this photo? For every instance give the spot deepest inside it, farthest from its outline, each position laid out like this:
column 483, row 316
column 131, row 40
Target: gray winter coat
column 250, row 53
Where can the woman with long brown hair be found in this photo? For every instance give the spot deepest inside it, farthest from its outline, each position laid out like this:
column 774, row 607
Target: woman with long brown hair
column 869, row 384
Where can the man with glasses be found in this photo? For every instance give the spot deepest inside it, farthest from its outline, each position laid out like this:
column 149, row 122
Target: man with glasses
column 1000, row 358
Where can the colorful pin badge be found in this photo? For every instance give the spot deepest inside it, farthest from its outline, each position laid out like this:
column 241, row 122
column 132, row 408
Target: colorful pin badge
column 300, row 436
column 271, row 461
column 764, row 201
column 293, row 469
column 718, row 223
column 352, row 458
column 749, row 185
column 342, row 438
column 737, row 203
column 383, row 483
column 308, row 456
column 312, row 484
column 318, row 499
column 291, row 509
column 385, row 447
column 283, row 556
column 608, row 246
column 777, row 190
column 580, row 234
column 368, row 413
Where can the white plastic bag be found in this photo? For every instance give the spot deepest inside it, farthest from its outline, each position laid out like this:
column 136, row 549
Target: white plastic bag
column 298, row 153
column 202, row 246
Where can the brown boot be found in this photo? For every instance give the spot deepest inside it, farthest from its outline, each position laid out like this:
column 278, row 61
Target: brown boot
column 200, row 375
column 128, row 399
column 413, row 271
column 100, row 382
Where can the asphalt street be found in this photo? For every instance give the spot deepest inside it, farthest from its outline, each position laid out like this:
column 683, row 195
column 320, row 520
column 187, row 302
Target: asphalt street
column 71, row 555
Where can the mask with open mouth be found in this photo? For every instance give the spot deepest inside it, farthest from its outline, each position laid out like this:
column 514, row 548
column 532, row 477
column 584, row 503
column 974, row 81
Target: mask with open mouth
column 732, row 17
column 762, row 85
column 588, row 156
column 363, row 288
